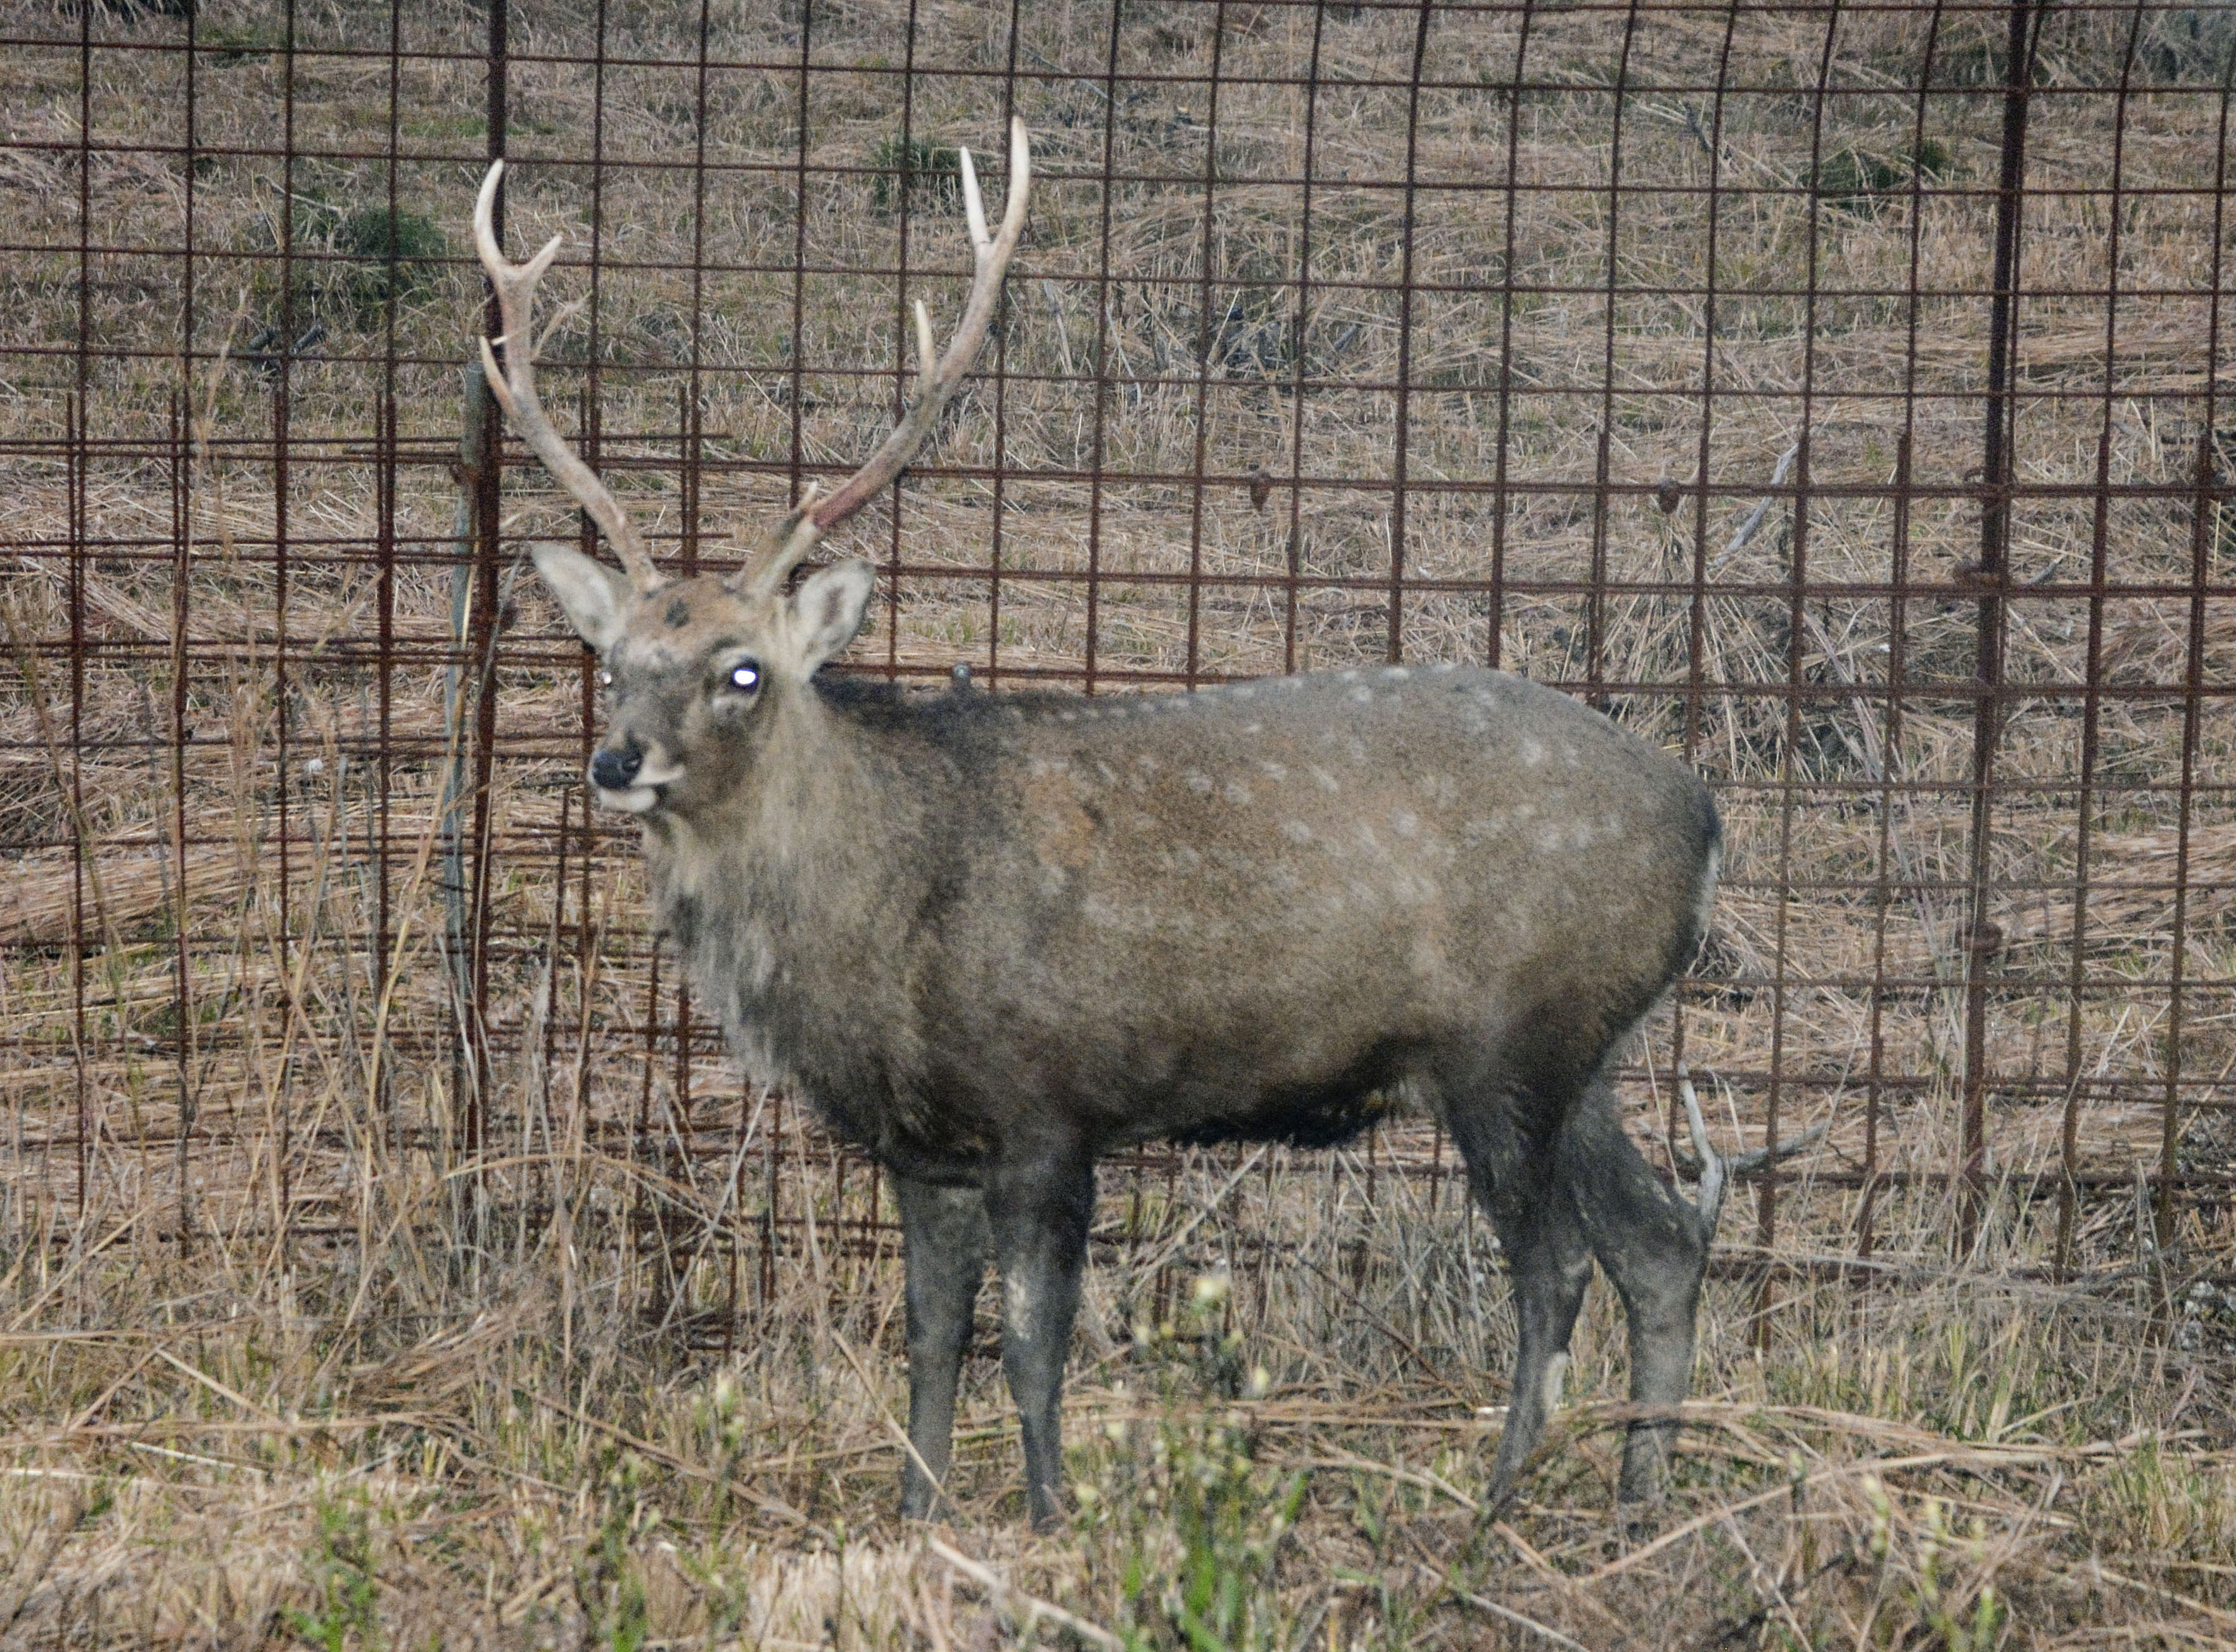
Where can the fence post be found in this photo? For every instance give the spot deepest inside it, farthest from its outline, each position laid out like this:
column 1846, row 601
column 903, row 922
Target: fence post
column 1990, row 577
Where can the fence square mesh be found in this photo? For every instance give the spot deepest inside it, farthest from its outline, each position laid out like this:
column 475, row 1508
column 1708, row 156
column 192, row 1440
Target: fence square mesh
column 1834, row 393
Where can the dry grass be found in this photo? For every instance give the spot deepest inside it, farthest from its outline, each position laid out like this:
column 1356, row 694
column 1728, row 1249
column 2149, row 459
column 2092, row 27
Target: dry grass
column 287, row 1362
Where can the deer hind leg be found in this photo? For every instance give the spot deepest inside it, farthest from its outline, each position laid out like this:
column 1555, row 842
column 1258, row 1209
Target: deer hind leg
column 1549, row 1260
column 944, row 1243
column 1039, row 1206
column 1653, row 1246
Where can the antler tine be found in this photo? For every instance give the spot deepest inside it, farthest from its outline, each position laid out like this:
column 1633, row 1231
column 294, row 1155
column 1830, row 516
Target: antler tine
column 514, row 386
column 939, row 379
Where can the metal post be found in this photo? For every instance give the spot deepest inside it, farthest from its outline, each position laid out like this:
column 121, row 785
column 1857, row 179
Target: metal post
column 1990, row 577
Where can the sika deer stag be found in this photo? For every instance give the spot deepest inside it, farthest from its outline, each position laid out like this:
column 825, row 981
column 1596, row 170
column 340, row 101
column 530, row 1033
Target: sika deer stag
column 994, row 937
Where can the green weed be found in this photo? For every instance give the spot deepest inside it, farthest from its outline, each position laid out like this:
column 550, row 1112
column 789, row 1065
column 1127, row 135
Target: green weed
column 608, row 1581
column 341, row 1571
column 928, row 176
column 1858, row 181
column 1197, row 1523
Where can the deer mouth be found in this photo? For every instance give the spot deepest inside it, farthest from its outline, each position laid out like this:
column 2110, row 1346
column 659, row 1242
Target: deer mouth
column 644, row 794
column 633, row 800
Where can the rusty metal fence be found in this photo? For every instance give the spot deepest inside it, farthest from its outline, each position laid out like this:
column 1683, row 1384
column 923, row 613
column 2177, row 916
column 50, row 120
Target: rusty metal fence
column 1835, row 393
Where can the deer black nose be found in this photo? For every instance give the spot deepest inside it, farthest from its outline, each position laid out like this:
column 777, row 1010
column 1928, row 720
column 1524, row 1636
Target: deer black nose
column 614, row 768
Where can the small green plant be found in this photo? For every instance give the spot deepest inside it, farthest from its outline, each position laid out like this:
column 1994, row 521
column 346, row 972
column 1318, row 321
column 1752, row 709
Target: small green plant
column 608, row 1582
column 387, row 258
column 725, row 1585
column 1939, row 1599
column 928, row 175
column 223, row 47
column 728, row 1425
column 1857, row 180
column 399, row 250
column 450, row 128
column 1197, row 1523
column 341, row 1567
column 2156, row 1500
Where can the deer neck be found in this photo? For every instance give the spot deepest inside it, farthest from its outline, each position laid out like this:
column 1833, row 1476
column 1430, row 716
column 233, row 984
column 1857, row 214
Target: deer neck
column 775, row 898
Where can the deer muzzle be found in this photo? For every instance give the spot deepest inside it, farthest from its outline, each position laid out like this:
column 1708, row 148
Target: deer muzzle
column 628, row 778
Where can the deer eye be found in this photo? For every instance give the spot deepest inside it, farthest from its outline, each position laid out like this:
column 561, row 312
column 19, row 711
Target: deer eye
column 605, row 678
column 746, row 676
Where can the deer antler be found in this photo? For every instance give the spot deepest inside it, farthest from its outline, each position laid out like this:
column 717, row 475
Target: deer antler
column 936, row 381
column 514, row 387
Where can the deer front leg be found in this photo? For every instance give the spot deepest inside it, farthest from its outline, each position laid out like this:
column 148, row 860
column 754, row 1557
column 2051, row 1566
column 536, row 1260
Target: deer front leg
column 944, row 1244
column 1039, row 1205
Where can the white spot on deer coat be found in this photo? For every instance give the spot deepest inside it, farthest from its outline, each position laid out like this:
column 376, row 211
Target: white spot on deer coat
column 1235, row 792
column 1296, row 831
column 1410, row 889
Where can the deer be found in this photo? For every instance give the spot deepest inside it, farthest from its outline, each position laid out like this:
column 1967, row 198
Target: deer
column 996, row 937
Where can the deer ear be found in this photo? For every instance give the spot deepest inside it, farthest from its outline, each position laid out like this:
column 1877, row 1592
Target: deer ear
column 592, row 594
column 827, row 609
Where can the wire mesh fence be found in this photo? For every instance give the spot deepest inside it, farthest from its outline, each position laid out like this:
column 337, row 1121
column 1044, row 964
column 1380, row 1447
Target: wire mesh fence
column 1832, row 394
